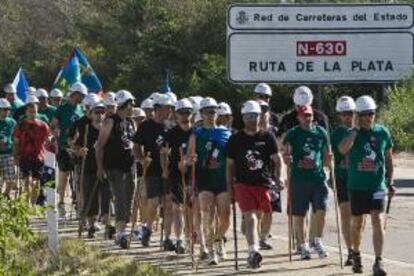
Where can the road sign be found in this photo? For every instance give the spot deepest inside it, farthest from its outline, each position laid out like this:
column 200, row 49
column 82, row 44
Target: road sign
column 319, row 57
column 319, row 43
column 318, row 17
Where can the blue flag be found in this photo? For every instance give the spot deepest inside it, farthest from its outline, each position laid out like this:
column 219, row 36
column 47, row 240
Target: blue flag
column 77, row 68
column 21, row 84
column 165, row 87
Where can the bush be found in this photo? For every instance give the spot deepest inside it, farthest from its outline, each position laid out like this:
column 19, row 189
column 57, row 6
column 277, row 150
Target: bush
column 398, row 115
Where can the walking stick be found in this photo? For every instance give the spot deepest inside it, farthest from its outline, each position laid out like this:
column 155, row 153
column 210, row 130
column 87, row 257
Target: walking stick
column 387, row 211
column 332, row 177
column 193, row 199
column 80, row 191
column 236, row 251
column 135, row 205
column 184, row 191
column 289, row 209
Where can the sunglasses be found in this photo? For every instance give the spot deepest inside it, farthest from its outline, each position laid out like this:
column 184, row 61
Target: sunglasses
column 250, row 116
column 370, row 114
column 184, row 112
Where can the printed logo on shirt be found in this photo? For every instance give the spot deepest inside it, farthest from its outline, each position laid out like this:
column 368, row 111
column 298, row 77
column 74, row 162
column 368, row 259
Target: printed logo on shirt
column 309, row 157
column 368, row 161
column 74, row 118
column 159, row 140
column 127, row 132
column 254, row 162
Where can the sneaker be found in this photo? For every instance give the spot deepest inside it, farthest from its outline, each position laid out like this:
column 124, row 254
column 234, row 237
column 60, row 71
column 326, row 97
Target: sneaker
column 146, row 236
column 137, row 233
column 119, row 236
column 265, row 245
column 221, row 250
column 212, row 258
column 61, row 210
column 254, row 260
column 357, row 264
column 91, row 232
column 349, row 260
column 320, row 248
column 203, row 253
column 179, row 247
column 168, row 245
column 378, row 268
column 305, row 253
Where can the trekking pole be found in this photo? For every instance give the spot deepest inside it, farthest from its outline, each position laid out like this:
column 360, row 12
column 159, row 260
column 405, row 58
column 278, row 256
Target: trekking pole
column 184, row 191
column 18, row 189
column 289, row 210
column 335, row 190
column 387, row 211
column 236, row 249
column 193, row 199
column 81, row 178
column 89, row 203
column 135, row 205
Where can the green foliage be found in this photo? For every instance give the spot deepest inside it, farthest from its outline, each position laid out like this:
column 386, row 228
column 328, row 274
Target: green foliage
column 398, row 115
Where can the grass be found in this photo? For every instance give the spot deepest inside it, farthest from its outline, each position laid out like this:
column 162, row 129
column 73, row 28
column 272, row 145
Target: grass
column 77, row 258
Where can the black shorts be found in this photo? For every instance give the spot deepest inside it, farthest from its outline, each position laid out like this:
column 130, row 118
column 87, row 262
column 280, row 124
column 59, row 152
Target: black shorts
column 176, row 189
column 363, row 202
column 342, row 189
column 65, row 160
column 31, row 167
column 216, row 190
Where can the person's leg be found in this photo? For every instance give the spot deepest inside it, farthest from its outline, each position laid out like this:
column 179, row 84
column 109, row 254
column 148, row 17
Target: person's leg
column 207, row 205
column 356, row 231
column 377, row 232
column 178, row 215
column 312, row 227
column 168, row 215
column 252, row 237
column 223, row 214
column 345, row 211
column 114, row 177
column 299, row 222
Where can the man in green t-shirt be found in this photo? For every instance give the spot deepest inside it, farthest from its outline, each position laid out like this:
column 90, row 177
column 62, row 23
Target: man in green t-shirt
column 64, row 118
column 307, row 152
column 370, row 176
column 7, row 126
column 15, row 102
column 44, row 107
column 345, row 106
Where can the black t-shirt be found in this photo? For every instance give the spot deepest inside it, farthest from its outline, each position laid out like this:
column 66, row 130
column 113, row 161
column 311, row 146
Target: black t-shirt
column 76, row 126
column 151, row 135
column 252, row 157
column 118, row 149
column 290, row 120
column 93, row 133
column 177, row 138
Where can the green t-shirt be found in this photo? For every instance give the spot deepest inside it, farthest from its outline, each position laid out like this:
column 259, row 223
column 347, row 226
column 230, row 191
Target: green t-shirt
column 211, row 156
column 6, row 135
column 307, row 152
column 367, row 159
column 67, row 114
column 49, row 112
column 341, row 161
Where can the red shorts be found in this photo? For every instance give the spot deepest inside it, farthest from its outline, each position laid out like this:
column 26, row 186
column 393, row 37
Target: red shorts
column 253, row 198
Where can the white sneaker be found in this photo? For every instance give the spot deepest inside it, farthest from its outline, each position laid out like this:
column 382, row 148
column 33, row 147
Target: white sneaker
column 320, row 248
column 221, row 250
column 212, row 258
column 305, row 253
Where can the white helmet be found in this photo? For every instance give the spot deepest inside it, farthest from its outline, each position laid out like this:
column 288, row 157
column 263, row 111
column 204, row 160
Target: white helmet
column 172, row 96
column 183, row 104
column 109, row 99
column 263, row 89
column 31, row 91
column 208, row 102
column 10, row 89
column 4, row 103
column 163, row 100
column 41, row 93
column 154, row 95
column 98, row 104
column 31, row 99
column 345, row 103
column 303, row 96
column 56, row 93
column 138, row 112
column 122, row 96
column 79, row 87
column 147, row 103
column 91, row 99
column 196, row 100
column 251, row 107
column 224, row 109
column 365, row 103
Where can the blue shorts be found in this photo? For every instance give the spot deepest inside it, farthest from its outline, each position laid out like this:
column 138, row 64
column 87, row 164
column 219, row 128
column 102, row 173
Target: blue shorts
column 305, row 193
